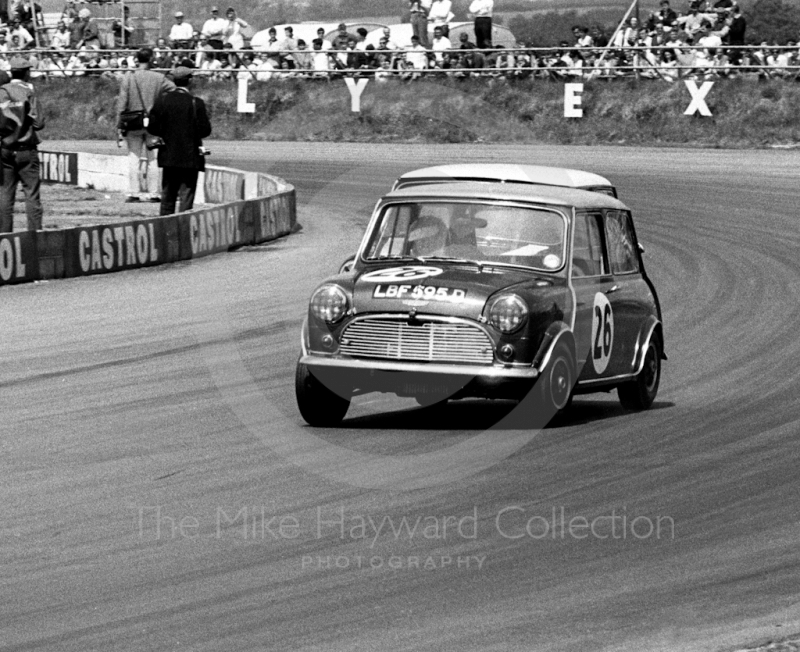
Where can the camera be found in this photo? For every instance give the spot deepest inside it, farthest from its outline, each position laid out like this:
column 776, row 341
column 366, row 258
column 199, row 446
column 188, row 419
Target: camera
column 203, row 151
column 154, row 143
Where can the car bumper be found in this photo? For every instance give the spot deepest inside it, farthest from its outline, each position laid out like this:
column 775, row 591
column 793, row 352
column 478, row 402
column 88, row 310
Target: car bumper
column 414, row 378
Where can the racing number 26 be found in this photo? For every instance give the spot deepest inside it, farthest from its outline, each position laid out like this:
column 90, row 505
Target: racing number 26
column 603, row 315
column 602, row 332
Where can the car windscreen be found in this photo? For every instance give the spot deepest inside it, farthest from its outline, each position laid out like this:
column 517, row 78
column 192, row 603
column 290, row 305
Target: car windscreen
column 481, row 232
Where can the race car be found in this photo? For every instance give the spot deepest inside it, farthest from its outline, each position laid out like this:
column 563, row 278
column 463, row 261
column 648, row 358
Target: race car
column 501, row 291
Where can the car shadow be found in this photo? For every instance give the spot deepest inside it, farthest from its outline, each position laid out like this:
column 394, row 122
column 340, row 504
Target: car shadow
column 480, row 415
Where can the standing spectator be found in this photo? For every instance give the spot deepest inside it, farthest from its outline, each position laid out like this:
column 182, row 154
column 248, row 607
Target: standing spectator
column 233, row 32
column 60, row 38
column 419, row 21
column 482, row 10
column 139, row 92
column 214, row 29
column 90, row 34
column 29, row 14
column 75, row 27
column 20, row 158
column 181, row 121
column 736, row 30
column 3, row 41
column 181, row 35
column 122, row 29
column 440, row 15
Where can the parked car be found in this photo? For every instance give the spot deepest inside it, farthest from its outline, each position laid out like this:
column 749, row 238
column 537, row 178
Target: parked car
column 473, row 289
column 537, row 175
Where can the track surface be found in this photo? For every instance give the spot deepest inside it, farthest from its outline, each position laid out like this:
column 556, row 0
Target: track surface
column 115, row 398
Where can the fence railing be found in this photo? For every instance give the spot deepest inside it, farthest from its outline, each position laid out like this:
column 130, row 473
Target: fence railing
column 588, row 63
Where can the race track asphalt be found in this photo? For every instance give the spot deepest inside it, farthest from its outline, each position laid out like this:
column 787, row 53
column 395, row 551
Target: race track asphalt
column 159, row 490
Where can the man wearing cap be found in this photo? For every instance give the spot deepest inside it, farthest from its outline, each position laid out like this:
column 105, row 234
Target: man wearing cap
column 181, row 33
column 21, row 119
column 138, row 92
column 214, row 29
column 90, row 34
column 181, row 121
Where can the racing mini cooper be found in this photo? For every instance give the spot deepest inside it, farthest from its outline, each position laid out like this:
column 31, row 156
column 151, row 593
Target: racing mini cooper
column 469, row 289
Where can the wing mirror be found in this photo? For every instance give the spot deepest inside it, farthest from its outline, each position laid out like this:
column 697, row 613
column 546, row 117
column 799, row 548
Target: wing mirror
column 347, row 265
column 641, row 247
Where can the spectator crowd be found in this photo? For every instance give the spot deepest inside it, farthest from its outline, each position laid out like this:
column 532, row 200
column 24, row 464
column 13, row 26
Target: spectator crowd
column 703, row 40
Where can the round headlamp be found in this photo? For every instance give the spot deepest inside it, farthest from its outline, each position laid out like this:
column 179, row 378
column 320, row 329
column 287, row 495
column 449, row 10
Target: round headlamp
column 508, row 313
column 329, row 303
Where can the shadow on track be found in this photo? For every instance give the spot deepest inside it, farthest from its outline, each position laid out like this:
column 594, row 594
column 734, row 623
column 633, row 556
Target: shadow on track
column 482, row 415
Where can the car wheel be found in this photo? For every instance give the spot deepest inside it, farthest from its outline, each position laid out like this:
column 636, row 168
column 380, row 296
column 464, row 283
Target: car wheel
column 557, row 382
column 640, row 393
column 319, row 405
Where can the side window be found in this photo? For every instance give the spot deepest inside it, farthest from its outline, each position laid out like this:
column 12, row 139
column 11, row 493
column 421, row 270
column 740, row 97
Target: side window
column 619, row 237
column 587, row 251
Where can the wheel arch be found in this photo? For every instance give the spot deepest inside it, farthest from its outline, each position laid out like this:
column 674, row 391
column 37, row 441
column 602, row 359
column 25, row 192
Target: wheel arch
column 651, row 327
column 556, row 333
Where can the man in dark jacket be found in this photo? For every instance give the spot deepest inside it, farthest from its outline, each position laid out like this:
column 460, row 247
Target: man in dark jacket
column 181, row 121
column 21, row 119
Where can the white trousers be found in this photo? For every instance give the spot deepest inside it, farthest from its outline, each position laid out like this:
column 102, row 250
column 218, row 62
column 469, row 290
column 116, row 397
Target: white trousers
column 143, row 174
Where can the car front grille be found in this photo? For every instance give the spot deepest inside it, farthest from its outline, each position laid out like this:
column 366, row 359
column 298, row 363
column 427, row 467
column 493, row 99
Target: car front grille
column 424, row 341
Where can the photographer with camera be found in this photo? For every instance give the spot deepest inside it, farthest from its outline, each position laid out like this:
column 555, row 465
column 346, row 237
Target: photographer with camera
column 178, row 124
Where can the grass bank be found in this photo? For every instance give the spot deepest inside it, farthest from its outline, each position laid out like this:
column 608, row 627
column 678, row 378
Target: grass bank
column 746, row 113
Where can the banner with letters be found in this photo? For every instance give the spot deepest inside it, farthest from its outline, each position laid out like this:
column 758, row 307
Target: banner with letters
column 114, row 247
column 212, row 230
column 275, row 216
column 18, row 263
column 58, row 167
column 223, row 185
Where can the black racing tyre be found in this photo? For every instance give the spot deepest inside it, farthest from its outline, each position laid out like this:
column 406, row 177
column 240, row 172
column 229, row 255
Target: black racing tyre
column 319, row 405
column 554, row 387
column 559, row 379
column 639, row 393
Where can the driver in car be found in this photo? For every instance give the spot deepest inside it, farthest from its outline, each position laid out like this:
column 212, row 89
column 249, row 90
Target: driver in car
column 427, row 236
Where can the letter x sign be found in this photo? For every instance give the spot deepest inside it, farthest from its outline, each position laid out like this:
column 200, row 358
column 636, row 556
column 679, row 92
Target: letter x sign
column 698, row 104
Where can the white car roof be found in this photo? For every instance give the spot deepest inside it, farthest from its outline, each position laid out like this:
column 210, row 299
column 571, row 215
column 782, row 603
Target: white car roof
column 508, row 173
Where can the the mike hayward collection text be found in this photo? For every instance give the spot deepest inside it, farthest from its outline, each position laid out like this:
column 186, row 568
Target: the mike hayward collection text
column 512, row 522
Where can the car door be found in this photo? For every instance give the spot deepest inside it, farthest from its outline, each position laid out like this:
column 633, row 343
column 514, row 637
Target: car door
column 593, row 286
column 631, row 298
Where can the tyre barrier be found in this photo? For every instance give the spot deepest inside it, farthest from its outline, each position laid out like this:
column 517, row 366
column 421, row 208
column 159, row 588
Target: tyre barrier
column 248, row 208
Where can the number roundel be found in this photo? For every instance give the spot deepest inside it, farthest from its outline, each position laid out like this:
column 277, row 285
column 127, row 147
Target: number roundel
column 602, row 332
